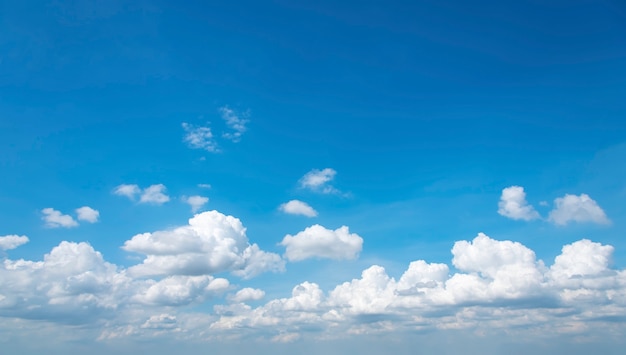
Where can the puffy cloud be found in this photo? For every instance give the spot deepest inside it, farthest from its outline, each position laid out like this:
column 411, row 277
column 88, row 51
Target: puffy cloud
column 55, row 219
column 235, row 121
column 196, row 202
column 247, row 294
column 87, row 214
column 319, row 242
column 317, row 180
column 200, row 137
column 154, row 194
column 181, row 290
column 210, row 243
column 298, row 208
column 9, row 242
column 513, row 204
column 572, row 208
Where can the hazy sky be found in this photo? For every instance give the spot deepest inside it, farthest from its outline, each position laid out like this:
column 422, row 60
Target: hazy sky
column 313, row 177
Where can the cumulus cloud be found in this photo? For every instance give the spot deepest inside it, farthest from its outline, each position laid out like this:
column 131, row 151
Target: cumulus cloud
column 494, row 286
column 196, row 202
column 153, row 194
column 318, row 180
column 236, row 121
column 55, row 219
column 212, row 242
column 298, row 208
column 247, row 294
column 572, row 208
column 319, row 242
column 9, row 242
column 87, row 214
column 513, row 204
column 200, row 137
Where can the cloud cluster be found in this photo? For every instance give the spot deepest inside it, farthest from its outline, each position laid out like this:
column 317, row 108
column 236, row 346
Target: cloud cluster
column 153, row 194
column 211, row 243
column 319, row 242
column 200, row 137
column 56, row 219
column 495, row 285
column 569, row 208
column 297, row 207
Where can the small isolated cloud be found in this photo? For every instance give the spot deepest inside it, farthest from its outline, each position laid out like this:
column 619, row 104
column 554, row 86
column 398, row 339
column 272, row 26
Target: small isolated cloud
column 319, row 242
column 199, row 137
column 318, row 180
column 55, row 219
column 513, row 204
column 247, row 294
column 9, row 242
column 235, row 121
column 87, row 214
column 154, row 194
column 196, row 202
column 298, row 208
column 204, row 186
column 572, row 208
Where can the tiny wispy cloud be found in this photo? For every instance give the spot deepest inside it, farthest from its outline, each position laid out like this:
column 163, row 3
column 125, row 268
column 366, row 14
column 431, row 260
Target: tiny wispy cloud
column 236, row 121
column 513, row 205
column 196, row 202
column 153, row 194
column 56, row 219
column 87, row 214
column 573, row 208
column 319, row 181
column 200, row 137
column 298, row 207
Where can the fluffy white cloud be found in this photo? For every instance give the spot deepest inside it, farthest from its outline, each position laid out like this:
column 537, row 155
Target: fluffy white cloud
column 196, row 202
column 317, row 180
column 87, row 214
column 154, row 194
column 299, row 208
column 513, row 204
column 495, row 286
column 572, row 208
column 200, row 137
column 319, row 242
column 9, row 242
column 235, row 121
column 55, row 219
column 247, row 294
column 211, row 243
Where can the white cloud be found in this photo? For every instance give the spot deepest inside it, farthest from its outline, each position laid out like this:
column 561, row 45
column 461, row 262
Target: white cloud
column 196, row 202
column 513, row 204
column 210, row 243
column 572, row 208
column 235, row 121
column 496, row 287
column 200, row 137
column 154, row 194
column 319, row 242
column 9, row 242
column 317, row 180
column 247, row 294
column 55, row 219
column 298, row 208
column 87, row 214
column 128, row 190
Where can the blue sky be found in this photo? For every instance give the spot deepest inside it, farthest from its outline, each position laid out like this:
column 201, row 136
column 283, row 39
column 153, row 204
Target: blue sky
column 320, row 149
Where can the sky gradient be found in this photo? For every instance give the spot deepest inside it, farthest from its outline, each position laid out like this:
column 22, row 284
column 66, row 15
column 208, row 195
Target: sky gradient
column 313, row 177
